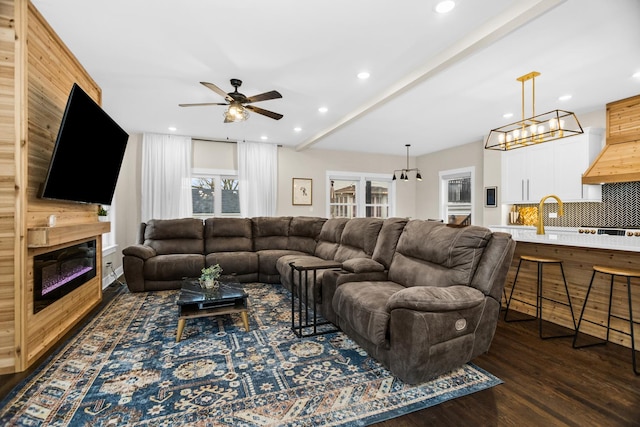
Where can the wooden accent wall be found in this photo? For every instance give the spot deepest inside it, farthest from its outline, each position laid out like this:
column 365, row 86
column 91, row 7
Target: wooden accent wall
column 9, row 149
column 577, row 264
column 37, row 72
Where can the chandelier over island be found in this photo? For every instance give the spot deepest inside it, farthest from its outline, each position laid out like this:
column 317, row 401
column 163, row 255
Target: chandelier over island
column 545, row 127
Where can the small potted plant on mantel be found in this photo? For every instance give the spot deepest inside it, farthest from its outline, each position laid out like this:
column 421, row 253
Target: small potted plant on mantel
column 209, row 277
column 102, row 214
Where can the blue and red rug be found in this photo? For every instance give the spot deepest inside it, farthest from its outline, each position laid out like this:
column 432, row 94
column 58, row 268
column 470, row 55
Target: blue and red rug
column 125, row 368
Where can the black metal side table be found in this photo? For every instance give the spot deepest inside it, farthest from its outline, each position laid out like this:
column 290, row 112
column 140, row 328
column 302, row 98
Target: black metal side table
column 300, row 293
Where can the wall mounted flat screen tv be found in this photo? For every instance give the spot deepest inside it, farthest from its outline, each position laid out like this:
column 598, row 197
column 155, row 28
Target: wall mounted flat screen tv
column 87, row 155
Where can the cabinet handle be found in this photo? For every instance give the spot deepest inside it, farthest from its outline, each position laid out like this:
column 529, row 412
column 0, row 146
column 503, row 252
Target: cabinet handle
column 527, row 189
column 522, row 189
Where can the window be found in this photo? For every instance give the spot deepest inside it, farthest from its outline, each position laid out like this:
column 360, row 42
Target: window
column 456, row 195
column 215, row 193
column 109, row 239
column 354, row 195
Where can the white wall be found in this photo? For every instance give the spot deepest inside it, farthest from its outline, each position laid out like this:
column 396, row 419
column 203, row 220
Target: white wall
column 315, row 163
column 463, row 156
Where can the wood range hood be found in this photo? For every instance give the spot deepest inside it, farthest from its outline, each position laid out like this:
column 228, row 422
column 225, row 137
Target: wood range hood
column 619, row 160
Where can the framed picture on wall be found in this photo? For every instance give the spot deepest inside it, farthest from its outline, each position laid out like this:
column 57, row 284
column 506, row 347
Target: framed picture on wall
column 491, row 197
column 302, row 189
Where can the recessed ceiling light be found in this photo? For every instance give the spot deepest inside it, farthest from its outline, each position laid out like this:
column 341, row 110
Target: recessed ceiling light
column 636, row 75
column 323, row 109
column 173, row 128
column 297, row 129
column 363, row 75
column 564, row 98
column 507, row 115
column 264, row 137
column 445, row 6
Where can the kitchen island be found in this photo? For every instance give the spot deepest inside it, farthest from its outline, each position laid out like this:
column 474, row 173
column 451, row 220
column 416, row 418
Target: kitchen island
column 579, row 252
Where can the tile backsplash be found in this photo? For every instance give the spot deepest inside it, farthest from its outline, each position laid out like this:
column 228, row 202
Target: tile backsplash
column 620, row 207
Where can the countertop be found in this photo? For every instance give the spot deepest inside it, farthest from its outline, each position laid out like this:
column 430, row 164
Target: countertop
column 569, row 236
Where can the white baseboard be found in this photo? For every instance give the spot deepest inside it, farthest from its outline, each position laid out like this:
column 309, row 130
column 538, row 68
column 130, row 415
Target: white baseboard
column 109, row 278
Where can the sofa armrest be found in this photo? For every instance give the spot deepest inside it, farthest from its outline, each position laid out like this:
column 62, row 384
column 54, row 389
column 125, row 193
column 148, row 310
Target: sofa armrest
column 139, row 251
column 362, row 265
column 436, row 299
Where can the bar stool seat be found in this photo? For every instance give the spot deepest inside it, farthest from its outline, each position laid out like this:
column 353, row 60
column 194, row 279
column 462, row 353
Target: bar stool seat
column 613, row 272
column 540, row 261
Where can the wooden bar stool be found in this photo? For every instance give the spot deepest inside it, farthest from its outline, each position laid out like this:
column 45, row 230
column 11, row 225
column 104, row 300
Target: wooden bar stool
column 613, row 272
column 540, row 261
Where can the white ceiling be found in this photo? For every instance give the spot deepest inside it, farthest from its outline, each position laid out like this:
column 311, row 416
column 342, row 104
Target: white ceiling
column 437, row 81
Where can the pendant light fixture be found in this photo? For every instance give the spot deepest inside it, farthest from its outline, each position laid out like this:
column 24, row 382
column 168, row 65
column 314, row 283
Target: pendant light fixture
column 534, row 130
column 404, row 173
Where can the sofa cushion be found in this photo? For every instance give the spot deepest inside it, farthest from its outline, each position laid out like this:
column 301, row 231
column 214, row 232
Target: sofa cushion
column 362, row 306
column 329, row 238
column 237, row 263
column 434, row 254
column 268, row 258
column 358, row 238
column 175, row 236
column 388, row 240
column 228, row 235
column 270, row 233
column 284, row 269
column 173, row 266
column 304, row 232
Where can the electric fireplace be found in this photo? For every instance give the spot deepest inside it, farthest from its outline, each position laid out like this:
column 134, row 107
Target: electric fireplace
column 59, row 272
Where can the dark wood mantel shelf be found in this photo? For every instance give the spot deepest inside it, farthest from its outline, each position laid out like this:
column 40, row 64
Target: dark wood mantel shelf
column 41, row 237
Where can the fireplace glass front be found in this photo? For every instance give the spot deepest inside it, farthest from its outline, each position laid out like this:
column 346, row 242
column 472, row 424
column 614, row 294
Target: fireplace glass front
column 59, row 272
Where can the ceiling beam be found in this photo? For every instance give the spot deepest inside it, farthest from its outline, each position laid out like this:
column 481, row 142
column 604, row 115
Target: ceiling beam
column 494, row 29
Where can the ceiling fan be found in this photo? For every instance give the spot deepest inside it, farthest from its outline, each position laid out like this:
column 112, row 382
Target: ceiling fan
column 237, row 111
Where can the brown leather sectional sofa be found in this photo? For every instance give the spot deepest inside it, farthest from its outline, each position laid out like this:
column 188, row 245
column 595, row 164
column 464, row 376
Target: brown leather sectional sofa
column 421, row 297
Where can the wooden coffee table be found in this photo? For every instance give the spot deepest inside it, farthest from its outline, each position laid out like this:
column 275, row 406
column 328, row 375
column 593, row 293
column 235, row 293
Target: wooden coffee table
column 194, row 301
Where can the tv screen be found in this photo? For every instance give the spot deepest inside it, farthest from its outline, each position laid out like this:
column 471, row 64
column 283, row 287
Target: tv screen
column 87, row 155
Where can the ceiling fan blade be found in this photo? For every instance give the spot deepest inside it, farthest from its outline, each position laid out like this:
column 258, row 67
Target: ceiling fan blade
column 201, row 104
column 217, row 90
column 274, row 94
column 271, row 114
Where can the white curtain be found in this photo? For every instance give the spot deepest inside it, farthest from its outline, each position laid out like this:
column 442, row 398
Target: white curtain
column 258, row 178
column 166, row 177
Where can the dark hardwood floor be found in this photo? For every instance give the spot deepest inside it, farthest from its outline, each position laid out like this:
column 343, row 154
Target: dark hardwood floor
column 546, row 383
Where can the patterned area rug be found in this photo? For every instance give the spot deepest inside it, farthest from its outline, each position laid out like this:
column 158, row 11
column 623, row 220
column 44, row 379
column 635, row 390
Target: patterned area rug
column 125, row 368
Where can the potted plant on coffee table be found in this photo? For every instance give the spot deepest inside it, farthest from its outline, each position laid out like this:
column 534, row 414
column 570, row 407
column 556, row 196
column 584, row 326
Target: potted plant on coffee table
column 209, row 277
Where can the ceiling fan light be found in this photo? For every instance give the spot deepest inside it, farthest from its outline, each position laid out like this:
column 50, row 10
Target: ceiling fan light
column 418, row 176
column 236, row 113
column 394, row 177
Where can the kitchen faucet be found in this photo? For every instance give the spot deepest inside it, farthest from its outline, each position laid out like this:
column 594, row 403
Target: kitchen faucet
column 540, row 228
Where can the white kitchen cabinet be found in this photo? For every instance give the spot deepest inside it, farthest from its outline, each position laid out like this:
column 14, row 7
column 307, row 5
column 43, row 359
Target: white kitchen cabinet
column 527, row 174
column 555, row 167
column 573, row 156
